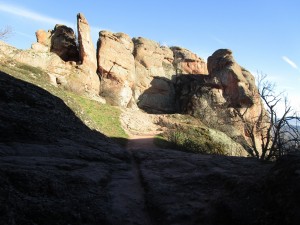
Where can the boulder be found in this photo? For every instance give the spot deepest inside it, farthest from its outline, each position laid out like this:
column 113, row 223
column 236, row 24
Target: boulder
column 63, row 43
column 237, row 83
column 43, row 37
column 188, row 62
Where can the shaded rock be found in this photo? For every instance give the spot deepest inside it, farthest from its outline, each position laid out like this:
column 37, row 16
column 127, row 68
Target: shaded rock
column 153, row 61
column 281, row 188
column 188, row 62
column 63, row 43
column 159, row 97
column 184, row 188
column 56, row 170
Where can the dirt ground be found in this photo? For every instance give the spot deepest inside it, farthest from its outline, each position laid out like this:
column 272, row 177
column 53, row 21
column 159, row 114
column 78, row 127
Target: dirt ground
column 141, row 128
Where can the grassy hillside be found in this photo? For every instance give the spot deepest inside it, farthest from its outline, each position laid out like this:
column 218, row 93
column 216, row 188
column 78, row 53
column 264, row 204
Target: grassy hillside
column 101, row 117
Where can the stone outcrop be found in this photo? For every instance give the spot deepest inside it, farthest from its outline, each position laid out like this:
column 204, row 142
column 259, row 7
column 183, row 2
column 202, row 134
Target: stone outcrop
column 44, row 37
column 87, row 55
column 216, row 98
column 131, row 70
column 63, row 43
column 153, row 89
column 237, row 84
column 159, row 97
column 116, row 66
column 56, row 53
column 188, row 62
column 151, row 60
column 87, row 52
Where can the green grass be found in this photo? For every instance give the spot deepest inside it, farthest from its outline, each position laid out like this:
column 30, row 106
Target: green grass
column 101, row 117
column 190, row 139
column 106, row 118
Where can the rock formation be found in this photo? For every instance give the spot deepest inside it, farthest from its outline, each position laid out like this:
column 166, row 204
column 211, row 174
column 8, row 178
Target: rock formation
column 63, row 43
column 116, row 66
column 54, row 169
column 56, row 52
column 87, row 55
column 214, row 99
column 61, row 40
column 87, row 50
column 237, row 84
column 188, row 62
column 43, row 37
column 140, row 72
column 133, row 71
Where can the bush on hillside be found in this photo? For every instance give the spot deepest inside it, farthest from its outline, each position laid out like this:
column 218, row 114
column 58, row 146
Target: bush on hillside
column 192, row 139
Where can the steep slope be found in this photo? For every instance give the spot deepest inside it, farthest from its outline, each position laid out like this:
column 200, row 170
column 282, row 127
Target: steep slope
column 56, row 170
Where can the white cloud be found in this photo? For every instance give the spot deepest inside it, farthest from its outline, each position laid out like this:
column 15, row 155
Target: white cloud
column 25, row 13
column 24, row 35
column 218, row 40
column 290, row 62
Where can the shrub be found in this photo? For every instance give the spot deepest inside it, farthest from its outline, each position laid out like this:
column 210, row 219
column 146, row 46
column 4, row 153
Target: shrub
column 192, row 139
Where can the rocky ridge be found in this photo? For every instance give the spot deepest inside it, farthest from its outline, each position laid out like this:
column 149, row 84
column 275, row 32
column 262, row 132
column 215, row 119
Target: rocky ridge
column 56, row 170
column 140, row 73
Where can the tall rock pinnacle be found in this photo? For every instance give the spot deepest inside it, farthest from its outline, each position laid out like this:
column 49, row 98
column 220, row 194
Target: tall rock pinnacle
column 87, row 51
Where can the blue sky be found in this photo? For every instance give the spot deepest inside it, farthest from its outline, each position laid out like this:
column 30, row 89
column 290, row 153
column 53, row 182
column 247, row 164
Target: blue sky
column 264, row 35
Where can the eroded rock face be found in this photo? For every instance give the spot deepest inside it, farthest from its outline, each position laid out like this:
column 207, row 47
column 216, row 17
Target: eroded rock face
column 153, row 62
column 78, row 78
column 216, row 99
column 124, row 63
column 115, row 59
column 237, row 84
column 149, row 58
column 87, row 52
column 188, row 62
column 116, row 66
column 63, row 43
column 43, row 37
column 87, row 56
column 159, row 97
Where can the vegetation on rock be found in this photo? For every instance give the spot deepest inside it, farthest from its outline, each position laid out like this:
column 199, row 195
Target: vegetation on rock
column 101, row 117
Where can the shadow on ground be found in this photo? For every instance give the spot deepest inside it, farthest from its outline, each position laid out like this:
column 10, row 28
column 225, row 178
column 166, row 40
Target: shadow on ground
column 54, row 169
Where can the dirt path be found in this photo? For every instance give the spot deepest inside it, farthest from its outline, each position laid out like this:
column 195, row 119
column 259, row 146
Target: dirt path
column 141, row 128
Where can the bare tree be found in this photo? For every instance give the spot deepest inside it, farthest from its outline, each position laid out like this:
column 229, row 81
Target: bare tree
column 278, row 132
column 5, row 32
